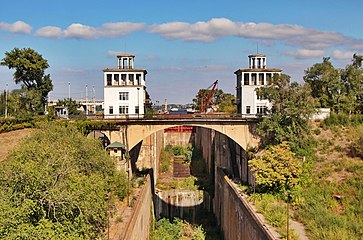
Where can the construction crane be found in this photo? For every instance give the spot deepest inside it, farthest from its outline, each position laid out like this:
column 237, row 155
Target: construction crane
column 204, row 104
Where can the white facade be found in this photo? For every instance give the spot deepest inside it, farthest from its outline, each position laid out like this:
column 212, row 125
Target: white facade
column 124, row 89
column 248, row 80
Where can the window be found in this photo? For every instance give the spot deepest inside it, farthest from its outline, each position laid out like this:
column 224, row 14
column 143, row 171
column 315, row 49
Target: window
column 137, row 109
column 115, row 150
column 123, row 96
column 110, row 110
column 260, row 96
column 254, row 78
column 109, row 79
column 116, row 78
column 246, row 79
column 261, row 79
column 123, row 109
column 261, row 110
column 138, row 79
column 268, row 78
column 248, row 109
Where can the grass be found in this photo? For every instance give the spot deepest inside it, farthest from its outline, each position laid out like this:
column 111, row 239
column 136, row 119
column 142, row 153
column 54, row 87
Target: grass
column 275, row 213
column 336, row 173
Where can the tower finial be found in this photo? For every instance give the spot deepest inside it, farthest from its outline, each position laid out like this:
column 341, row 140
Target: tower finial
column 257, row 47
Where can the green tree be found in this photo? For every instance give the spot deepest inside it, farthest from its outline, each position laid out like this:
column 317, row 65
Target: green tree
column 352, row 80
column 292, row 105
column 71, row 104
column 30, row 69
column 277, row 169
column 324, row 81
column 220, row 100
column 55, row 185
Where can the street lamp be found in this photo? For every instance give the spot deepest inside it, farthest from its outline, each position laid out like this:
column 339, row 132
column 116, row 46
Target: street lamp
column 138, row 102
column 6, row 101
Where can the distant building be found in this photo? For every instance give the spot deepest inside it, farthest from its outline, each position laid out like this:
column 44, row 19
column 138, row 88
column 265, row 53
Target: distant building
column 124, row 89
column 248, row 80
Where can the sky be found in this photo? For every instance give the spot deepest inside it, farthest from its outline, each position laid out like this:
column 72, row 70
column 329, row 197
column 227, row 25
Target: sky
column 184, row 45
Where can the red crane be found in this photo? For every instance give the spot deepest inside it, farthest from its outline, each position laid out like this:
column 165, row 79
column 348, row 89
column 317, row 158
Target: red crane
column 204, row 104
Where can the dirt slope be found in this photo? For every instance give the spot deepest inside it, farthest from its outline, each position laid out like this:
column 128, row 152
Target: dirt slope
column 9, row 140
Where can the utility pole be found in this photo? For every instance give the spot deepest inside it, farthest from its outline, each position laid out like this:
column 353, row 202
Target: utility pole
column 6, row 101
column 69, row 90
column 86, row 99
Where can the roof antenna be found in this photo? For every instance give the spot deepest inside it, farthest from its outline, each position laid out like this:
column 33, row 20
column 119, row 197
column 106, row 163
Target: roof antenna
column 257, row 47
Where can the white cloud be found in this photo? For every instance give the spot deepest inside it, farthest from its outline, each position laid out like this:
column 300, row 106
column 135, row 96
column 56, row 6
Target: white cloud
column 215, row 28
column 77, row 30
column 119, row 28
column 16, row 27
column 306, row 53
column 49, row 32
column 338, row 54
column 81, row 31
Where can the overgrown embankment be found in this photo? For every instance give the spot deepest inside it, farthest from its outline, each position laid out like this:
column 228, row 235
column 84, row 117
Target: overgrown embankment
column 56, row 185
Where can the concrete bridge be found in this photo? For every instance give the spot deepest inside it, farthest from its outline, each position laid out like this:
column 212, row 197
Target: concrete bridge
column 131, row 131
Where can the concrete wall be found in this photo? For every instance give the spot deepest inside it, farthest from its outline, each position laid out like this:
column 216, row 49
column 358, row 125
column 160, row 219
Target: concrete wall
column 234, row 215
column 178, row 138
column 147, row 153
column 139, row 225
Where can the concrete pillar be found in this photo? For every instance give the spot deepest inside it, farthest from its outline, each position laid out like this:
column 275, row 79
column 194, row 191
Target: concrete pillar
column 249, row 78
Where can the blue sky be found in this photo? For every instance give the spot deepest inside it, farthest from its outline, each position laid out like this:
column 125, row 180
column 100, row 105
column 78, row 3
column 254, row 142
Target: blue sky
column 184, row 45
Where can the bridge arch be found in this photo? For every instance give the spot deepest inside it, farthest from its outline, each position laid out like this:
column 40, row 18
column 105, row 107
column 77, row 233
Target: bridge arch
column 243, row 135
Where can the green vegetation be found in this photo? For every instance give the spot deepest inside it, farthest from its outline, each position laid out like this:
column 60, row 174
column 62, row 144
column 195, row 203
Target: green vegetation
column 71, row 104
column 30, row 69
column 165, row 160
column 56, row 185
column 289, row 117
column 338, row 89
column 180, row 150
column 177, row 229
column 326, row 193
column 275, row 212
column 189, row 183
column 277, row 169
column 224, row 102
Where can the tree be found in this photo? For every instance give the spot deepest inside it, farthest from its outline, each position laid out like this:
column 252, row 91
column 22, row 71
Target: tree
column 352, row 80
column 71, row 104
column 292, row 106
column 277, row 169
column 324, row 81
column 55, row 185
column 220, row 100
column 30, row 69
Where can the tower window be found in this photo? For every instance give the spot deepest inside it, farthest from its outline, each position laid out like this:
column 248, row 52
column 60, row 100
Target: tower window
column 110, row 110
column 109, row 79
column 246, row 79
column 248, row 109
column 124, row 109
column 123, row 96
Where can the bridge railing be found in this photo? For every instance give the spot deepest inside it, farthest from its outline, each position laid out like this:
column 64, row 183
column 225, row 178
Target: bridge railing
column 179, row 116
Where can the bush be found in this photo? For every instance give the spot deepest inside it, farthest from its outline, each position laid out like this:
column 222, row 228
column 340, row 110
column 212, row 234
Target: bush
column 177, row 229
column 56, row 185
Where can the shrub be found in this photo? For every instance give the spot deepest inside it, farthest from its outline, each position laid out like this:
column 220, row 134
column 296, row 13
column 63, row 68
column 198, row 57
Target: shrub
column 56, row 185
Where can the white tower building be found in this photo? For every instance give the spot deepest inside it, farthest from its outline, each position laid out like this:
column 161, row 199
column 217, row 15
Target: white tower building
column 124, row 89
column 248, row 80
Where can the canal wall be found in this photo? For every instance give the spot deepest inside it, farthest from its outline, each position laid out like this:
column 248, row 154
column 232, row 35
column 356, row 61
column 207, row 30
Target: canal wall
column 139, row 225
column 146, row 154
column 234, row 214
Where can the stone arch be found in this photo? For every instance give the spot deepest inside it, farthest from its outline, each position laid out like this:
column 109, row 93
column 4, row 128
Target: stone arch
column 242, row 134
